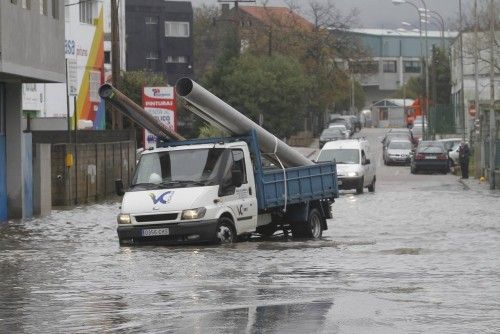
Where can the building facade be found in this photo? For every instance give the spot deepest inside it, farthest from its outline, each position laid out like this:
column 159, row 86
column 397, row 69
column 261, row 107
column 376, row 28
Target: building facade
column 32, row 51
column 84, row 57
column 159, row 37
column 392, row 58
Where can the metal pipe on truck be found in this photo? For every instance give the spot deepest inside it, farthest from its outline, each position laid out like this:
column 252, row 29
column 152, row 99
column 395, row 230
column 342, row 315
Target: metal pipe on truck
column 137, row 114
column 220, row 114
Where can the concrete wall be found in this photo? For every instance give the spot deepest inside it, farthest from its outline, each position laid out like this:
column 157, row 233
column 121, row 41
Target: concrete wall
column 92, row 178
column 31, row 44
column 42, row 196
column 3, row 181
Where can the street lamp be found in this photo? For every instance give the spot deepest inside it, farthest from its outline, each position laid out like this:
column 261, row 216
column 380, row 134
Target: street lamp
column 419, row 11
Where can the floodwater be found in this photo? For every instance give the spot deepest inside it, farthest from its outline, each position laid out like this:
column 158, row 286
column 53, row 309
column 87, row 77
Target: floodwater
column 420, row 255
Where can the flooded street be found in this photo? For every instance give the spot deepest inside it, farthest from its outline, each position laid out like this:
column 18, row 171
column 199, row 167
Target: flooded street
column 420, row 255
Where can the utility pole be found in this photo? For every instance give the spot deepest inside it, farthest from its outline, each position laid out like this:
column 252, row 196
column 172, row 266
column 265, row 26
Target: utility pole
column 479, row 139
column 492, row 97
column 462, row 97
column 117, row 120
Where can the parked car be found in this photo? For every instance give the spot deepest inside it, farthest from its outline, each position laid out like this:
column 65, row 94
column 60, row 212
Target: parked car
column 329, row 135
column 451, row 145
column 356, row 122
column 430, row 155
column 417, row 132
column 398, row 152
column 344, row 121
column 354, row 168
column 342, row 127
column 396, row 133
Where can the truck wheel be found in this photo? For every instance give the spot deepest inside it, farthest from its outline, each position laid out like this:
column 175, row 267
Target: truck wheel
column 311, row 228
column 225, row 233
column 359, row 188
column 371, row 187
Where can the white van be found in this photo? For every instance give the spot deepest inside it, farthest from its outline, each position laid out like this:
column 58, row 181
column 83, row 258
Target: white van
column 354, row 168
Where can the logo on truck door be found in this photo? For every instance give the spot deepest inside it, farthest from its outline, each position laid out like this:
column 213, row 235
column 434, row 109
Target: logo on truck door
column 163, row 198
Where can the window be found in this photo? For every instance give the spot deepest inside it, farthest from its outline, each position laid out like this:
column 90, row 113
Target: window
column 239, row 163
column 151, row 19
column 26, row 4
column 107, row 57
column 86, row 9
column 94, row 84
column 43, row 7
column 152, row 55
column 390, row 66
column 177, row 59
column 411, row 66
column 55, row 9
column 365, row 67
column 176, row 29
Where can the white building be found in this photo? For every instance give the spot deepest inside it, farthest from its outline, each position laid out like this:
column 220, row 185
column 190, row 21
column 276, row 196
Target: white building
column 84, row 53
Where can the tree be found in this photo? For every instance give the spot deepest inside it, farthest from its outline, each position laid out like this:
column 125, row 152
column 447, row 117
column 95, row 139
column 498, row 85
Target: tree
column 269, row 86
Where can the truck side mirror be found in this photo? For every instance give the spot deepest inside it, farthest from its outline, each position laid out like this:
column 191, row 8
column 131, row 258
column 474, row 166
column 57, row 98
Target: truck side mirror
column 367, row 161
column 237, row 177
column 119, row 187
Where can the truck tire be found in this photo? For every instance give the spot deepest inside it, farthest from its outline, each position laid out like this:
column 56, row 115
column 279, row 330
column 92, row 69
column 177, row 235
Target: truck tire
column 312, row 228
column 371, row 187
column 225, row 233
column 359, row 187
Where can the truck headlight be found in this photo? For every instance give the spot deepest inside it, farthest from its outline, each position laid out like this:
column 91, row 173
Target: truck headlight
column 194, row 213
column 124, row 218
column 352, row 174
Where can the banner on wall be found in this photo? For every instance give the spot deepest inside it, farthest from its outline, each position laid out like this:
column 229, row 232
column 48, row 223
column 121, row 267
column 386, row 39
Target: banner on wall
column 160, row 103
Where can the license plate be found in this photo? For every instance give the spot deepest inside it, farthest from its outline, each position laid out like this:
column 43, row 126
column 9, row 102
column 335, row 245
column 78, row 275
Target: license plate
column 431, row 157
column 151, row 232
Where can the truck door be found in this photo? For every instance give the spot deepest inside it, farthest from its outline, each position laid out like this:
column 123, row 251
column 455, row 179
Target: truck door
column 242, row 201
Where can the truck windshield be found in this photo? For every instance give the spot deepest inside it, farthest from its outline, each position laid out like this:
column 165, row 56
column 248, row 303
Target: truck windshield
column 174, row 169
column 341, row 156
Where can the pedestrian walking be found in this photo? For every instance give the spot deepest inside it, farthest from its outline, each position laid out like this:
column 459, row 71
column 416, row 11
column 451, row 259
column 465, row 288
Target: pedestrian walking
column 463, row 158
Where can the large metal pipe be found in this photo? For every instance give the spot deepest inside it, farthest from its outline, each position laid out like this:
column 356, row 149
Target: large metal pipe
column 137, row 114
column 220, row 114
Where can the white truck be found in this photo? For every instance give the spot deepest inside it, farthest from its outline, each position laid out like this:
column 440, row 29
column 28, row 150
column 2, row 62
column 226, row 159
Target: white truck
column 217, row 190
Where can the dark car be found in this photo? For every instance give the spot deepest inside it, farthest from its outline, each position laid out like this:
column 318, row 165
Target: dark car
column 356, row 122
column 430, row 156
column 344, row 121
column 329, row 135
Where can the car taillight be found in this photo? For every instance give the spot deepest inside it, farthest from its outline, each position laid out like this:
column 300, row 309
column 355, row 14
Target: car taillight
column 441, row 156
column 420, row 156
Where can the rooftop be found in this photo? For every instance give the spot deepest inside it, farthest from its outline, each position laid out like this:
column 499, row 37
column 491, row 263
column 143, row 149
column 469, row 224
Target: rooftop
column 277, row 15
column 402, row 33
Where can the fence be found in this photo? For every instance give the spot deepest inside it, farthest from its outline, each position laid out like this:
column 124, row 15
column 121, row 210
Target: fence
column 442, row 119
column 100, row 157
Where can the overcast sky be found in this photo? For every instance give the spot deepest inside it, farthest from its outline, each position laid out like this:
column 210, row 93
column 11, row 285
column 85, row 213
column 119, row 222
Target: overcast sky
column 381, row 13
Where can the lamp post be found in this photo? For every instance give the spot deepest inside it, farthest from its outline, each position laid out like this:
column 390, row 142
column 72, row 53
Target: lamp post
column 419, row 10
column 438, row 18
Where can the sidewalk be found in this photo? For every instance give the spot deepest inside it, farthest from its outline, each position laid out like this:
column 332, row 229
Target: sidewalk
column 477, row 185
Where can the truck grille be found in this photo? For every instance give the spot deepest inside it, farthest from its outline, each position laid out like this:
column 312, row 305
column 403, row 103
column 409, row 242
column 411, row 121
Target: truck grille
column 156, row 218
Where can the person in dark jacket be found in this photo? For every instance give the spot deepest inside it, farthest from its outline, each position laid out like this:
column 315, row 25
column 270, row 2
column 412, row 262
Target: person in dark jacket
column 463, row 158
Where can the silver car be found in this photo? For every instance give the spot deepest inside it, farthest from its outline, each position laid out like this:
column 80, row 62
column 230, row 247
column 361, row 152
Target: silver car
column 398, row 151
